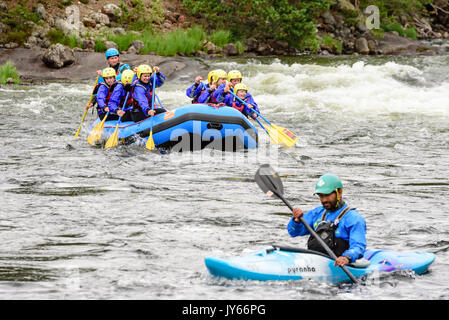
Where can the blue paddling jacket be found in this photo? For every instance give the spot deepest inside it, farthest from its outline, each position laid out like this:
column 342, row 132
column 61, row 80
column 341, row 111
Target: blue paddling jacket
column 142, row 93
column 118, row 96
column 233, row 102
column 352, row 228
column 195, row 90
column 103, row 96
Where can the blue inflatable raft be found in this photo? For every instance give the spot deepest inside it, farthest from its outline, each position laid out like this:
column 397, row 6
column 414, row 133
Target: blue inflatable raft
column 285, row 263
column 191, row 127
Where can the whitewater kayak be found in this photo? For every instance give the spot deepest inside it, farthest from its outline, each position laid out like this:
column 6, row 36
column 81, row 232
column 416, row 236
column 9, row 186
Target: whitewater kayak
column 285, row 263
column 191, row 127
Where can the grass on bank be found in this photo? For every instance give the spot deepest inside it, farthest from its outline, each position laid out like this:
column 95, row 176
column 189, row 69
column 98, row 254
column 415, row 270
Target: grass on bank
column 8, row 70
column 178, row 41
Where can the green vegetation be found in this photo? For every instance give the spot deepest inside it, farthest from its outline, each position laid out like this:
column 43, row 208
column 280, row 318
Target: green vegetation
column 100, row 46
column 220, row 37
column 292, row 21
column 139, row 18
column 332, row 43
column 396, row 26
column 18, row 22
column 8, row 70
column 394, row 8
column 57, row 36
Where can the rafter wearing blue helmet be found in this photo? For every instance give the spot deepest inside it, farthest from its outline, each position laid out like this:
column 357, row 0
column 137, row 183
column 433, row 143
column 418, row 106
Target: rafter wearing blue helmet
column 113, row 58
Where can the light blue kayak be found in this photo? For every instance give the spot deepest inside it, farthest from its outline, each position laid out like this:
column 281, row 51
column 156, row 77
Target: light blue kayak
column 284, row 263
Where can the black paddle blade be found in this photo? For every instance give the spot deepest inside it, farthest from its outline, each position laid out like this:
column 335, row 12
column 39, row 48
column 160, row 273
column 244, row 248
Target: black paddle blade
column 269, row 180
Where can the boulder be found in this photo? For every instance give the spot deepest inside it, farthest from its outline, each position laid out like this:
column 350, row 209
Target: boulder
column 112, row 11
column 40, row 10
column 3, row 7
column 345, row 5
column 391, row 43
column 328, row 18
column 66, row 27
column 89, row 22
column 210, row 48
column 101, row 18
column 111, row 44
column 361, row 46
column 58, row 56
column 89, row 44
column 230, row 49
column 137, row 44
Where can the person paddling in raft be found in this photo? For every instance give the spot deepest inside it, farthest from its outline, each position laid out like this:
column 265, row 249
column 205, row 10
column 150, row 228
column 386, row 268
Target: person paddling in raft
column 198, row 87
column 103, row 94
column 341, row 227
column 218, row 77
column 241, row 91
column 113, row 58
column 143, row 92
column 234, row 77
column 123, row 89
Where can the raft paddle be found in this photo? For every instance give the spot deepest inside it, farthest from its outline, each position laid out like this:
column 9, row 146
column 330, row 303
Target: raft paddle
column 277, row 134
column 113, row 139
column 85, row 111
column 270, row 183
column 150, row 142
column 95, row 134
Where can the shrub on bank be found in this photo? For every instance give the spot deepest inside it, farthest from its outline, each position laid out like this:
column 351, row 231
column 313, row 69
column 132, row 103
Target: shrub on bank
column 8, row 70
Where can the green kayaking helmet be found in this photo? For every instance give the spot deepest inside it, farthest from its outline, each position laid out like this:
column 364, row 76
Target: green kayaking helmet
column 327, row 184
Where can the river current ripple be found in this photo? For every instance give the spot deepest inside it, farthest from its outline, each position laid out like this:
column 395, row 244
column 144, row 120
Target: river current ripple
column 79, row 222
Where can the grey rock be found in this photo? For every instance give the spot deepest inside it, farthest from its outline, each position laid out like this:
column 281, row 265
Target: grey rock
column 101, row 18
column 328, row 18
column 137, row 44
column 210, row 48
column 111, row 44
column 361, row 46
column 112, row 11
column 58, row 56
column 230, row 49
column 40, row 9
column 3, row 7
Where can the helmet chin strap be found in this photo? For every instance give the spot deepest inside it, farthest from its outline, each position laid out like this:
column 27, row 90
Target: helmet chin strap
column 337, row 205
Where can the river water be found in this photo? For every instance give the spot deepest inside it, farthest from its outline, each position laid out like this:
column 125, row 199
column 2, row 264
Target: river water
column 85, row 223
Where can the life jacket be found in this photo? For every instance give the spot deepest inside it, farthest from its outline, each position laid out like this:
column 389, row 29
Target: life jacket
column 130, row 101
column 234, row 105
column 148, row 94
column 326, row 231
column 119, row 69
column 192, row 93
column 108, row 97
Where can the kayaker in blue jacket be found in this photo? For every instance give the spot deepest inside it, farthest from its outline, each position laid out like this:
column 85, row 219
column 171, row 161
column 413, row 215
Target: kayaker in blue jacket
column 241, row 90
column 113, row 58
column 341, row 227
column 143, row 91
column 122, row 90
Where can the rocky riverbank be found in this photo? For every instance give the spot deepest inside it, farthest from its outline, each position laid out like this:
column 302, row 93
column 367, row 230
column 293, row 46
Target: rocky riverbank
column 340, row 30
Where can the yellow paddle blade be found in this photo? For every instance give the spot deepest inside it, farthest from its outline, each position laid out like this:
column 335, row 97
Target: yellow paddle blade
column 150, row 142
column 281, row 135
column 286, row 136
column 95, row 135
column 113, row 139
